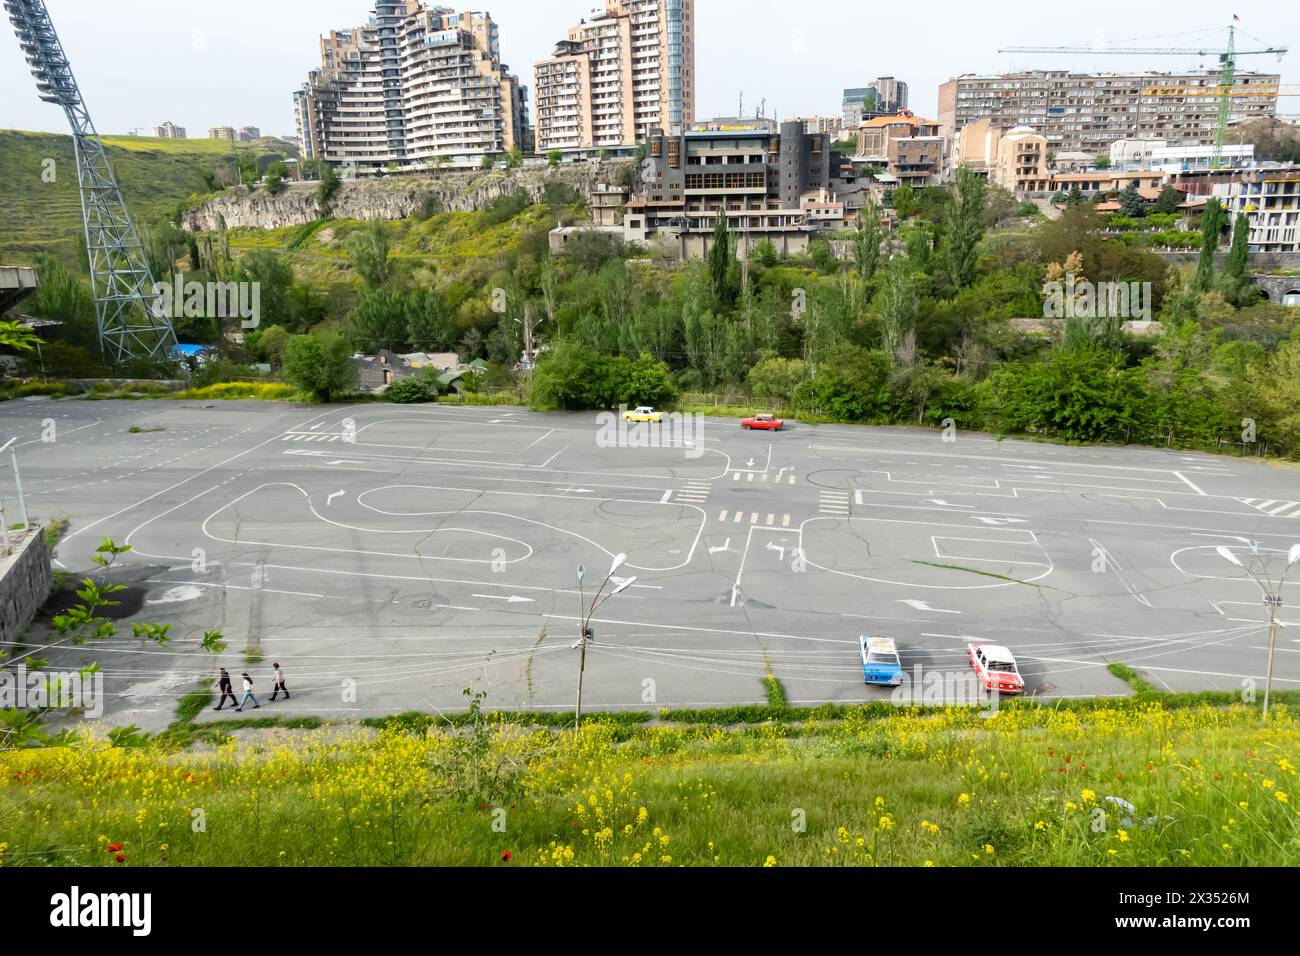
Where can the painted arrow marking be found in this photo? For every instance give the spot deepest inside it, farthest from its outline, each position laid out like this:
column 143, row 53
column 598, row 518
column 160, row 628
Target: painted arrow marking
column 998, row 520
column 779, row 549
column 330, row 500
column 922, row 606
column 750, row 463
column 344, row 461
column 725, row 547
column 512, row 599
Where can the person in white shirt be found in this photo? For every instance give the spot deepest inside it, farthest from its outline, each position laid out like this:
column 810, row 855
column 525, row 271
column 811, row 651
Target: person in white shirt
column 277, row 682
column 248, row 692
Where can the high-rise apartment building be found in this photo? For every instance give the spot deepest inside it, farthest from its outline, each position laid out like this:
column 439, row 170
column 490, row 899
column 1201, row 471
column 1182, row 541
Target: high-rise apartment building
column 225, row 133
column 414, row 86
column 885, row 96
column 1088, row 111
column 169, row 130
column 618, row 75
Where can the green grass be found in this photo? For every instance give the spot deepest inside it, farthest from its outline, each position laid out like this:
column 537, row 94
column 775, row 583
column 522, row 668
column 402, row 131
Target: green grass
column 1212, row 786
column 155, row 174
column 1131, row 677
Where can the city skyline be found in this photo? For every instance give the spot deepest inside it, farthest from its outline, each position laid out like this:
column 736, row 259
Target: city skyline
column 799, row 70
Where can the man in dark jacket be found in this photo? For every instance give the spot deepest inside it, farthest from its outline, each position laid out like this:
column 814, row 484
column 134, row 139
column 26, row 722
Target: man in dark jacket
column 226, row 688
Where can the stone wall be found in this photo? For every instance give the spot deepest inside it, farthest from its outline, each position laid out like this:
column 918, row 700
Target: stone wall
column 24, row 582
column 393, row 197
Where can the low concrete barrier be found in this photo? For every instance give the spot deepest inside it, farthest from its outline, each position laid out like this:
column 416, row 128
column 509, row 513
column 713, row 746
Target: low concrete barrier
column 24, row 582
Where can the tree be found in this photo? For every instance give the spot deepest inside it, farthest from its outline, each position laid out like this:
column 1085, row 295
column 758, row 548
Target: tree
column 514, row 157
column 896, row 306
column 1074, row 197
column 553, row 158
column 721, row 259
column 851, row 384
column 368, row 252
column 328, row 185
column 320, row 364
column 966, row 227
column 904, row 201
column 1168, row 201
column 1211, row 226
column 379, row 320
column 1130, row 201
column 275, row 176
column 1239, row 250
column 1102, row 162
column 776, row 378
column 427, row 325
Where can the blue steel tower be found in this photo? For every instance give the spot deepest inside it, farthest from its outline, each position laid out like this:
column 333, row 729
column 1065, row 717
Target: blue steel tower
column 119, row 272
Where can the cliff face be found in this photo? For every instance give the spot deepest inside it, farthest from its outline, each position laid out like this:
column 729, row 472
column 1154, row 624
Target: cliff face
column 392, row 197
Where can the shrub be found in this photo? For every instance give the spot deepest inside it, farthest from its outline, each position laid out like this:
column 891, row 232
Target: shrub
column 411, row 391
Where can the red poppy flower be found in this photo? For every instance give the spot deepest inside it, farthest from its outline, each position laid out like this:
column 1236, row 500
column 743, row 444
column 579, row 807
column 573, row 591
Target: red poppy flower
column 114, row 847
column 121, row 858
column 505, row 857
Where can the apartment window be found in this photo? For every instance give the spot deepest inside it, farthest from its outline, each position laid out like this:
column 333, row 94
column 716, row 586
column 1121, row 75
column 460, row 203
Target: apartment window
column 675, row 153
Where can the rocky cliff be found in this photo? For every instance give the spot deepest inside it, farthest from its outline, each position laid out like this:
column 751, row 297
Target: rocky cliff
column 395, row 197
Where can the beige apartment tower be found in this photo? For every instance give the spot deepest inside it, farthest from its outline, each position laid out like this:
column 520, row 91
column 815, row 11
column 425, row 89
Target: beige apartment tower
column 416, row 86
column 618, row 75
column 1086, row 112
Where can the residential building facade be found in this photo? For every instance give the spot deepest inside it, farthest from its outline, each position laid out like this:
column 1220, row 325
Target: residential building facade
column 224, row 133
column 618, row 75
column 1270, row 198
column 769, row 181
column 1089, row 111
column 249, row 133
column 908, row 146
column 1015, row 159
column 416, row 86
column 169, row 130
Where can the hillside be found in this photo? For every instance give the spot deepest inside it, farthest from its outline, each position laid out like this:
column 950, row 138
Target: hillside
column 1121, row 783
column 155, row 174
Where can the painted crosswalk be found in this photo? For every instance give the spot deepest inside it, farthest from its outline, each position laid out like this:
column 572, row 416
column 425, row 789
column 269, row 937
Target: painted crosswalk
column 695, row 492
column 834, row 503
column 1276, row 509
column 309, row 436
column 760, row 519
column 780, row 478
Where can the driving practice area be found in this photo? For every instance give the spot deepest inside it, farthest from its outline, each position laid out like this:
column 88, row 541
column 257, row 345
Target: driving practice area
column 389, row 557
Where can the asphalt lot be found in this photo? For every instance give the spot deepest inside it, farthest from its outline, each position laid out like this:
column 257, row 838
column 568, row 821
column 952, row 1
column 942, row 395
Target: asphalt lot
column 391, row 556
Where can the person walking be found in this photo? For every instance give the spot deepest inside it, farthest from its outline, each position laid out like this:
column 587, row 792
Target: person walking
column 248, row 692
column 226, row 688
column 277, row 682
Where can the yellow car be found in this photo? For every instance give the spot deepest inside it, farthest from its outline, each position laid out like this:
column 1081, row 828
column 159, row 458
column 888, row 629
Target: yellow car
column 643, row 414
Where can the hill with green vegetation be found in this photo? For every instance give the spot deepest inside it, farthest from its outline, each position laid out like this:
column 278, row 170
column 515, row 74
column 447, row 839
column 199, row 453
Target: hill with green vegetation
column 38, row 216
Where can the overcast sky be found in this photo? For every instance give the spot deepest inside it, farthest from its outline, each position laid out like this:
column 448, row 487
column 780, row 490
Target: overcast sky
column 237, row 62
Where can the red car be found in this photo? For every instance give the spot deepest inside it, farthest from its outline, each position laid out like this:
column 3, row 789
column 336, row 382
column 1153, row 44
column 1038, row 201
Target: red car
column 995, row 666
column 769, row 422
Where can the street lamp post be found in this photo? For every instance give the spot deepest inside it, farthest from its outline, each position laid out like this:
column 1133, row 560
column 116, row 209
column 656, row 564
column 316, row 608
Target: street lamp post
column 1272, row 600
column 584, row 621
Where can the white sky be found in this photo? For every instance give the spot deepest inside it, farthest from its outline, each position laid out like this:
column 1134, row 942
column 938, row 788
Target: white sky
column 237, row 62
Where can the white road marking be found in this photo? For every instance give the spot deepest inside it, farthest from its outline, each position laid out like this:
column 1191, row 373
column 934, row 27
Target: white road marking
column 923, row 606
column 1187, row 481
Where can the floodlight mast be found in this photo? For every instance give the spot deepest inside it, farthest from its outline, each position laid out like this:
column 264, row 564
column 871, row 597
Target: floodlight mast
column 120, row 278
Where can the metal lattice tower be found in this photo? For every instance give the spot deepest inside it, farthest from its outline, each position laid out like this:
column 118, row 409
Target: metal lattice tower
column 120, row 277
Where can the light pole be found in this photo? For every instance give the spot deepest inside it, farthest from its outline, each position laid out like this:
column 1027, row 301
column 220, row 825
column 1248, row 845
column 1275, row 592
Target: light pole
column 584, row 621
column 1272, row 599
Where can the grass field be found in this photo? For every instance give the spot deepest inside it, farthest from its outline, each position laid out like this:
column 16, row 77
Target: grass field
column 1207, row 786
column 39, row 216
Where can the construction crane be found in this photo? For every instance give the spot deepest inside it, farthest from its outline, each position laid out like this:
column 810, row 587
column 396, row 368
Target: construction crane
column 1227, row 69
column 120, row 277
